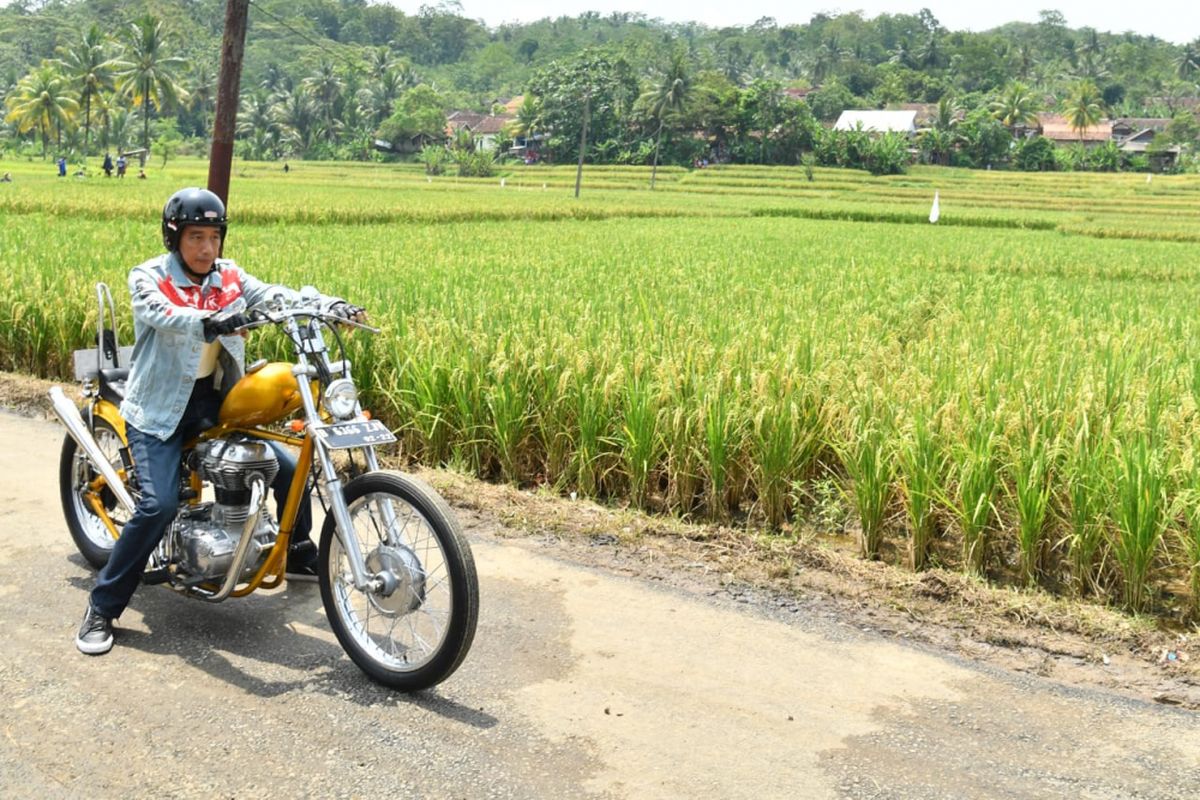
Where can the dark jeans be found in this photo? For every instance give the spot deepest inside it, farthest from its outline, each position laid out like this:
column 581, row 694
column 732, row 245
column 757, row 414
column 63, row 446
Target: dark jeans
column 157, row 463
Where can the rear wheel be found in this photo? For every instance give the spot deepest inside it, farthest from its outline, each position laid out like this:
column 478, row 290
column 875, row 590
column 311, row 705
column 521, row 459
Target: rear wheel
column 75, row 481
column 418, row 629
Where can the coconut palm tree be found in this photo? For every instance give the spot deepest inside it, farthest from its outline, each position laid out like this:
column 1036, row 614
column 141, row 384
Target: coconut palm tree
column 668, row 96
column 1016, row 106
column 326, row 88
column 42, row 101
column 296, row 114
column 530, row 119
column 378, row 98
column 149, row 75
column 89, row 67
column 121, row 128
column 1083, row 107
column 202, row 91
column 257, row 123
column 1187, row 63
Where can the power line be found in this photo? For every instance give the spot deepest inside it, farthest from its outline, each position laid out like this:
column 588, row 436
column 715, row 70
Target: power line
column 307, row 38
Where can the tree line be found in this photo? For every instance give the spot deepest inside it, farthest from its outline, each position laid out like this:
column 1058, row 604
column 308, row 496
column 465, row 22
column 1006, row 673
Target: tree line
column 324, row 78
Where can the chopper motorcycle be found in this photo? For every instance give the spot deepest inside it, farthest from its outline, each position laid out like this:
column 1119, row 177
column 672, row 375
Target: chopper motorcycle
column 396, row 574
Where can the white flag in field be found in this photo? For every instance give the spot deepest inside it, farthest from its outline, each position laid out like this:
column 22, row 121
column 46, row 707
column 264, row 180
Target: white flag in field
column 936, row 211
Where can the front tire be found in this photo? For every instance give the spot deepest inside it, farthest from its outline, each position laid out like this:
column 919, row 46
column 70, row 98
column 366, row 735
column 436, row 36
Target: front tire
column 417, row 634
column 75, row 475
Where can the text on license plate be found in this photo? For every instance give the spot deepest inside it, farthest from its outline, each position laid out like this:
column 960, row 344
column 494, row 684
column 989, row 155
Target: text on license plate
column 353, row 434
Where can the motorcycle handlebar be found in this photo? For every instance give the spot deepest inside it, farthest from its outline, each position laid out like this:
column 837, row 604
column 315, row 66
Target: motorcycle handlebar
column 265, row 318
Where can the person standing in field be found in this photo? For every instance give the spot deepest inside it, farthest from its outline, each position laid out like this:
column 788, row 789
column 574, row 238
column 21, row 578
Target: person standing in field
column 121, row 164
column 108, row 165
column 62, row 167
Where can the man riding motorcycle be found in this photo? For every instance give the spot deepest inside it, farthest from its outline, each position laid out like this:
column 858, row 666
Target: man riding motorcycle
column 184, row 358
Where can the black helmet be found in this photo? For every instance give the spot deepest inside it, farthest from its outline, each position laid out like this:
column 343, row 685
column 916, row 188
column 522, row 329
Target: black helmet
column 191, row 206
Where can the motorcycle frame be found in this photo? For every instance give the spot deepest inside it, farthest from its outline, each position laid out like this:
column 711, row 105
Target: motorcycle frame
column 312, row 451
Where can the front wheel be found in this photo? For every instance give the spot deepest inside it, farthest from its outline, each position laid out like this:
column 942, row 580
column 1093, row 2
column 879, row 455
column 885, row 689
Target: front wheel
column 417, row 630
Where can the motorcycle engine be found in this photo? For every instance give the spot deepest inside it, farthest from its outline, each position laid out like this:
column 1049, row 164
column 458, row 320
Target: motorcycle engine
column 205, row 535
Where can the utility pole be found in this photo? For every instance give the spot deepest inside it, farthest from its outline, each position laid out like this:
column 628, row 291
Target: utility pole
column 220, row 159
column 587, row 115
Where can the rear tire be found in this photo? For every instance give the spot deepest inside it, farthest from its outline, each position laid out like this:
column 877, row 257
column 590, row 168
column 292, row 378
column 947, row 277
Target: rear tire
column 92, row 537
column 418, row 634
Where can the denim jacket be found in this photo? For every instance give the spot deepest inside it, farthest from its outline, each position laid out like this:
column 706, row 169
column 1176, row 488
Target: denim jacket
column 168, row 325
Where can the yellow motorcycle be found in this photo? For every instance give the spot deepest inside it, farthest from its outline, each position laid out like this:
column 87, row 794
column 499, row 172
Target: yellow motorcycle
column 396, row 574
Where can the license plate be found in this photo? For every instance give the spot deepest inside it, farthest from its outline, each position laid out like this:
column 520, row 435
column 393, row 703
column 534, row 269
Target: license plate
column 342, row 435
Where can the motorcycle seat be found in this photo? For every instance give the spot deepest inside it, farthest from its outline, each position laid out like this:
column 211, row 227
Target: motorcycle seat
column 112, row 384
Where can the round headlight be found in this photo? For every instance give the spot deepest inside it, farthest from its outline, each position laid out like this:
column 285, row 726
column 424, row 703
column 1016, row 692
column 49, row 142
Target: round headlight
column 341, row 398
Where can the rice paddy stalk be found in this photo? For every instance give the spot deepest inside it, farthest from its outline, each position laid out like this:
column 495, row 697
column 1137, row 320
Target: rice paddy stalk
column 921, row 465
column 1030, row 472
column 870, row 464
column 641, row 446
column 1140, row 516
column 977, row 484
column 1086, row 493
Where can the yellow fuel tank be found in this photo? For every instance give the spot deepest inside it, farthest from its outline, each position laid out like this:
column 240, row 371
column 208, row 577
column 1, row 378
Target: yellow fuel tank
column 264, row 396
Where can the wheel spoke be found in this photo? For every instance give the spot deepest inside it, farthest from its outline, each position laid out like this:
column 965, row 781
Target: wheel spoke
column 385, row 628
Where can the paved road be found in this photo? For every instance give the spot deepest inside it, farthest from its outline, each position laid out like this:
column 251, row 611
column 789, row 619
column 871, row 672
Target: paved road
column 580, row 684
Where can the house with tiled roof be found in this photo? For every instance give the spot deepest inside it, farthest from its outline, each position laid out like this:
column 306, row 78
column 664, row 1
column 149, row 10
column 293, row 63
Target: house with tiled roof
column 1056, row 128
column 486, row 128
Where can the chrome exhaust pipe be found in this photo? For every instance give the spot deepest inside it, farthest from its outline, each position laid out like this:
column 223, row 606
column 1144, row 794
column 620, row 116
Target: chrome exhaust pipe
column 69, row 415
column 258, row 499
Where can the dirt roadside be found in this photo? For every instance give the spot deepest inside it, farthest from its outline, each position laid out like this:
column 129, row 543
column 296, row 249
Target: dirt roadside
column 1077, row 644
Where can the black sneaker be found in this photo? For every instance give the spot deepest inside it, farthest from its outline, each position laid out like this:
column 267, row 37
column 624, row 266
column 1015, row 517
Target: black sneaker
column 95, row 635
column 302, row 562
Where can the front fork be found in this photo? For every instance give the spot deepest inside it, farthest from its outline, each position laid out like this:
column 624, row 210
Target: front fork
column 364, row 580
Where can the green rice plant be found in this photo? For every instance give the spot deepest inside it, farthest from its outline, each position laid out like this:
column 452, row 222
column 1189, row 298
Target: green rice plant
column 554, row 423
column 507, row 400
column 785, row 437
column 978, row 480
column 1140, row 516
column 640, row 442
column 431, row 412
column 593, row 416
column 921, row 466
column 871, row 467
column 1189, row 542
column 1030, row 472
column 1086, row 492
column 721, row 441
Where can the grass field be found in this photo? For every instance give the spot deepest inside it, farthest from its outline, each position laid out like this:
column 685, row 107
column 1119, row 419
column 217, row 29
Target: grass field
column 1013, row 391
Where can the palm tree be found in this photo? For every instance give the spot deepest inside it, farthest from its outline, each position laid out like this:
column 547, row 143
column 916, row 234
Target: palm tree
column 149, row 75
column 946, row 118
column 203, row 92
column 326, row 88
column 668, row 96
column 42, row 100
column 379, row 61
column 902, row 55
column 121, row 130
column 296, row 114
column 1187, row 63
column 89, row 67
column 1083, row 107
column 378, row 98
column 1015, row 107
column 531, row 116
column 931, row 55
column 826, row 59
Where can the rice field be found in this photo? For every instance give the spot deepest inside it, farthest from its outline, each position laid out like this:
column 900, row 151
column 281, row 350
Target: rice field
column 1013, row 392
